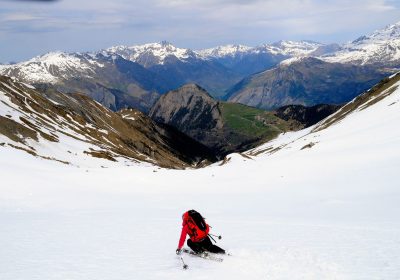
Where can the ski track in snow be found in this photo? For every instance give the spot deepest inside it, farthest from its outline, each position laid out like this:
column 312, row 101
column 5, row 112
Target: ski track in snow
column 326, row 212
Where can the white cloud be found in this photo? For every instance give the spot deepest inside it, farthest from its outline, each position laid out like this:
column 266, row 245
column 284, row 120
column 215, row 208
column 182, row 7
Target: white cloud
column 18, row 17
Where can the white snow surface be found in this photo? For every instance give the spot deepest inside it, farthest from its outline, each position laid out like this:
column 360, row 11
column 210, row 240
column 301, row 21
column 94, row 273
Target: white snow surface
column 326, row 212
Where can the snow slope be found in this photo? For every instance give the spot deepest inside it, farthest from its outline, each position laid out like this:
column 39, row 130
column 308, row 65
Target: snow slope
column 286, row 210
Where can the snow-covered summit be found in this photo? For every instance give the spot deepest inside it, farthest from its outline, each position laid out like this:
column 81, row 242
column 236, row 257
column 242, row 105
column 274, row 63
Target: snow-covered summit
column 150, row 54
column 51, row 67
column 223, row 51
column 291, row 60
column 382, row 46
column 281, row 48
column 388, row 33
column 293, row 48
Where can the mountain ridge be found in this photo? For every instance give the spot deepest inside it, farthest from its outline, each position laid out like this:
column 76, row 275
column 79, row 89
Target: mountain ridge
column 306, row 81
column 75, row 129
column 135, row 76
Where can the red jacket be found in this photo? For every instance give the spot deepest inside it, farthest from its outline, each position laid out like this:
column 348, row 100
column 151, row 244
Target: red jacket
column 195, row 234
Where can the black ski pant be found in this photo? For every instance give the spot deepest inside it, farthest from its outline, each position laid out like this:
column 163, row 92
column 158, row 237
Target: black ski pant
column 204, row 245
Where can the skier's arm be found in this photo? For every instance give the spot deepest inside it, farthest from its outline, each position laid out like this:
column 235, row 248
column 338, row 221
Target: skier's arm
column 183, row 237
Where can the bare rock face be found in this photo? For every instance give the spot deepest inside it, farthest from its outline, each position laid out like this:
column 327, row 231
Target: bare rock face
column 191, row 110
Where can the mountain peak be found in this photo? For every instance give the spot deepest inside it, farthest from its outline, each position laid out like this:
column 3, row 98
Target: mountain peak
column 380, row 47
column 51, row 67
column 152, row 53
column 389, row 32
column 225, row 50
column 294, row 48
column 192, row 86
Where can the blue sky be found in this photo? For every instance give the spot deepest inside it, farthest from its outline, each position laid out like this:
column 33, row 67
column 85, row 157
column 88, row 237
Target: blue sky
column 30, row 28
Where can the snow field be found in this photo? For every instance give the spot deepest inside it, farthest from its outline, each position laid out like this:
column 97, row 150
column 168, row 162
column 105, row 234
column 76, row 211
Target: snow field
column 326, row 212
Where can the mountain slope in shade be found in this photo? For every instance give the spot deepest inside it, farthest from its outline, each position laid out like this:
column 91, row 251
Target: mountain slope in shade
column 74, row 129
column 382, row 47
column 305, row 81
column 306, row 116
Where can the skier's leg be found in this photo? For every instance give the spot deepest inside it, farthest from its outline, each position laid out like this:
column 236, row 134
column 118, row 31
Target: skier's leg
column 215, row 249
column 195, row 246
column 210, row 247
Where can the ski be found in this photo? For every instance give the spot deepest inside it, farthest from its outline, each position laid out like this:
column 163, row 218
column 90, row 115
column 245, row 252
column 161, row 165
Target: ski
column 204, row 255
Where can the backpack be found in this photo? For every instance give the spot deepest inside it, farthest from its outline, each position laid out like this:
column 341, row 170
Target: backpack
column 198, row 228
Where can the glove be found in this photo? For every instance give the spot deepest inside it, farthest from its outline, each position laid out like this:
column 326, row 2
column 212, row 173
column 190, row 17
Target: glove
column 178, row 251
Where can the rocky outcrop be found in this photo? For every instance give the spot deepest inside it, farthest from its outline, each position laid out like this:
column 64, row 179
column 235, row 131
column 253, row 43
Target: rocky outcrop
column 193, row 111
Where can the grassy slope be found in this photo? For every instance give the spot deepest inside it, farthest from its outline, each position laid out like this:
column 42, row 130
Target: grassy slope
column 252, row 122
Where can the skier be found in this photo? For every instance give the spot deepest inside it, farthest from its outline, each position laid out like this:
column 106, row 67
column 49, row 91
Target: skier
column 194, row 225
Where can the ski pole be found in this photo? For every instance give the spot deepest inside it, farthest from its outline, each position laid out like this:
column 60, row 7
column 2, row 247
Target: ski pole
column 185, row 266
column 218, row 236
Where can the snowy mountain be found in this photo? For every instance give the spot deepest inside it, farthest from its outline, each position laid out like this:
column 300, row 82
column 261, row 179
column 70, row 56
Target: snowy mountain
column 293, row 48
column 152, row 54
column 321, row 203
column 382, row 47
column 53, row 67
column 114, row 82
column 178, row 66
column 158, row 53
column 223, row 51
column 281, row 48
column 135, row 76
column 74, row 129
